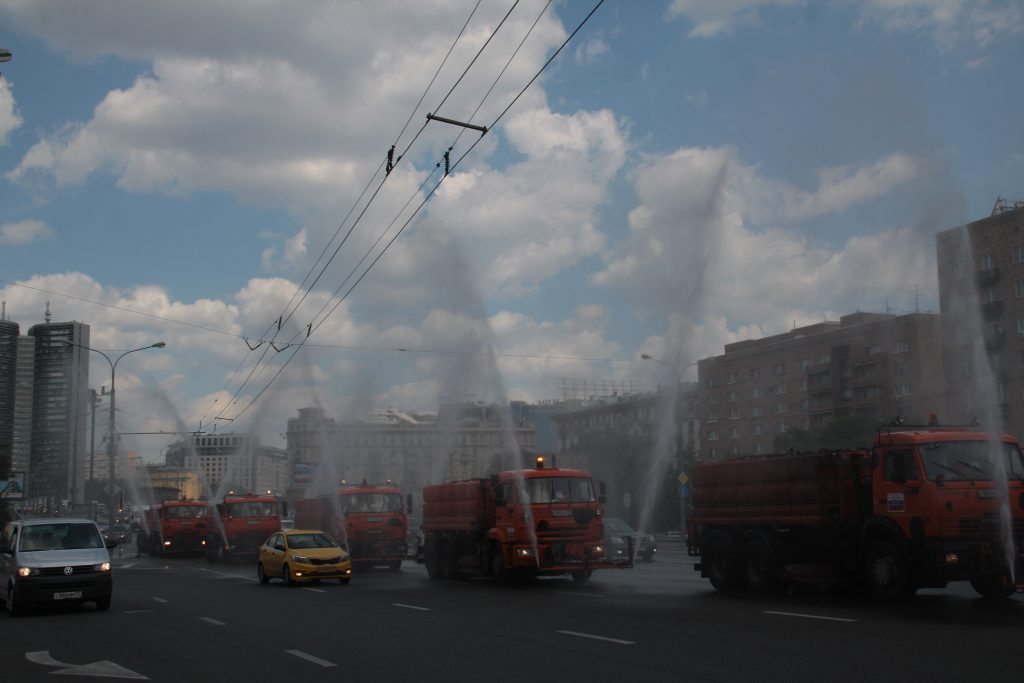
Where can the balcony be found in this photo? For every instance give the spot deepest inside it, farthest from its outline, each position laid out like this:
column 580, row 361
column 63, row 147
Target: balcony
column 988, row 277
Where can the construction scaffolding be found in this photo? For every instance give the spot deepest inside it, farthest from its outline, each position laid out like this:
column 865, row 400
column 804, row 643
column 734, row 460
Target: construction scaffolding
column 573, row 388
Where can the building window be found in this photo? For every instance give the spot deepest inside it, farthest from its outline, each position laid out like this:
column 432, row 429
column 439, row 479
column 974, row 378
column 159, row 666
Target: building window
column 803, row 384
column 712, row 453
column 902, row 390
column 734, row 396
column 713, row 435
column 958, row 269
column 755, row 373
column 755, row 392
column 781, row 428
column 1017, row 253
column 757, row 449
column 781, row 407
column 780, row 368
column 1018, row 288
column 734, row 413
column 988, row 262
column 711, row 400
column 712, row 417
column 990, row 295
column 757, row 429
column 709, row 382
column 757, row 411
column 731, row 378
column 824, row 360
column 734, row 433
column 902, row 346
column 805, row 363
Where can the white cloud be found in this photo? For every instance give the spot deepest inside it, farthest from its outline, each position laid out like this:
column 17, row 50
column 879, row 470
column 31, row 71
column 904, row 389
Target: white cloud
column 591, row 50
column 24, row 232
column 9, row 119
column 951, row 23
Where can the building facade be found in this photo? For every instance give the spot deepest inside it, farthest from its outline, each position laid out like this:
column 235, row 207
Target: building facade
column 231, row 462
column 867, row 365
column 60, row 386
column 981, row 295
column 462, row 441
column 23, row 379
column 8, row 382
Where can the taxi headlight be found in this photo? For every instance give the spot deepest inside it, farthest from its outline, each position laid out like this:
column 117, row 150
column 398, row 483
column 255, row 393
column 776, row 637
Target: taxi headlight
column 102, row 567
column 300, row 558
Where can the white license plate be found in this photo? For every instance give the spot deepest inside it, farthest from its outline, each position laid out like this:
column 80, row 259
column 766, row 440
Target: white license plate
column 67, row 595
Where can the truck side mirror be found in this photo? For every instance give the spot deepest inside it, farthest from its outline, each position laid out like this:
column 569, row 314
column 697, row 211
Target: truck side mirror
column 284, row 508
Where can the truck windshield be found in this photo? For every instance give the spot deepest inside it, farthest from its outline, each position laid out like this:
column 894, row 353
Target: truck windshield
column 186, row 512
column 372, row 502
column 252, row 509
column 971, row 460
column 60, row 536
column 559, row 490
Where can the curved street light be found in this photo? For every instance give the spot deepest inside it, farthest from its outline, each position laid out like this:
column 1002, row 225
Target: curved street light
column 111, row 450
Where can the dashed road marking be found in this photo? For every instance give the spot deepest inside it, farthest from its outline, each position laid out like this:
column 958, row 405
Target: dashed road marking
column 421, row 609
column 310, row 658
column 810, row 616
column 604, row 638
column 160, row 600
column 208, row 620
column 315, row 590
column 582, row 595
column 138, row 611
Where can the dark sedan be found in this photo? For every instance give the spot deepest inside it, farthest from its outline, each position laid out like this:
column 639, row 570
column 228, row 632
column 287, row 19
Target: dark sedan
column 616, row 537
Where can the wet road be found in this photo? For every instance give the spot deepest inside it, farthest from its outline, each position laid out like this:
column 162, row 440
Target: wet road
column 183, row 619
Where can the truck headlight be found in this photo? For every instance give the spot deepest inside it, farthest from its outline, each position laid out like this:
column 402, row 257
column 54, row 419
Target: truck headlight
column 524, row 552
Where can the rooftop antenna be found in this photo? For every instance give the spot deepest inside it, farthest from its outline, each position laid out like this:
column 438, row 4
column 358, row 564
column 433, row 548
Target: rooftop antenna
column 48, row 316
column 3, row 315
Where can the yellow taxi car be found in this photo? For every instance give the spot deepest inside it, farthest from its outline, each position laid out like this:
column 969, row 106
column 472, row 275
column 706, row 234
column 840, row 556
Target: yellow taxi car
column 302, row 555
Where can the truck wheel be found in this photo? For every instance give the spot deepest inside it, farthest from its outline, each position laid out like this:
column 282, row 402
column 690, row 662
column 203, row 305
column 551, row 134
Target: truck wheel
column 499, row 572
column 581, row 576
column 264, row 579
column 446, row 560
column 760, row 569
column 395, row 566
column 888, row 572
column 430, row 558
column 722, row 568
column 991, row 587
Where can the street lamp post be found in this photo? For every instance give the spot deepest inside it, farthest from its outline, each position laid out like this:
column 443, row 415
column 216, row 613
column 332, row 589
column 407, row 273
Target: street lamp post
column 111, row 431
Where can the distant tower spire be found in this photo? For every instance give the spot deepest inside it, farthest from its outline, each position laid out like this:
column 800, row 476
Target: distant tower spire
column 3, row 315
column 48, row 316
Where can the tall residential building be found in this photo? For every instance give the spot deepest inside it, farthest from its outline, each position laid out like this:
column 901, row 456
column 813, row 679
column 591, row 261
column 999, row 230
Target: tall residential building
column 981, row 295
column 869, row 365
column 23, row 382
column 60, row 389
column 8, row 381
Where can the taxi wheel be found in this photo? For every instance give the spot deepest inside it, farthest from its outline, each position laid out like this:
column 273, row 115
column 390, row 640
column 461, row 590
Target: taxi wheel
column 264, row 579
column 286, row 575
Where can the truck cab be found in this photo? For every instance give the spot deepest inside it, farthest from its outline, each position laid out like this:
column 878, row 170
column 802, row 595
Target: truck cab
column 239, row 524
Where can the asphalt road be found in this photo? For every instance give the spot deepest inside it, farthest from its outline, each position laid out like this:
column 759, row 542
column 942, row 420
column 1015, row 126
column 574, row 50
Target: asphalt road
column 185, row 620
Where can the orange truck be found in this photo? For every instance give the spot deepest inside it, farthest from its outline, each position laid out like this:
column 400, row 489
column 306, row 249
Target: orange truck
column 922, row 507
column 518, row 523
column 176, row 526
column 370, row 520
column 239, row 525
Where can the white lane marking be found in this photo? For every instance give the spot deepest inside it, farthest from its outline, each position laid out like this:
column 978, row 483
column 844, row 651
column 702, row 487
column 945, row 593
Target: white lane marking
column 582, row 595
column 160, row 600
column 137, row 611
column 310, row 658
column 604, row 638
column 315, row 590
column 399, row 604
column 810, row 616
column 124, row 566
column 102, row 669
column 208, row 620
column 226, row 574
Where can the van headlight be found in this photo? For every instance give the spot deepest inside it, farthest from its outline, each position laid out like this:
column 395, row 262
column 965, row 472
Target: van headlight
column 28, row 571
column 101, row 567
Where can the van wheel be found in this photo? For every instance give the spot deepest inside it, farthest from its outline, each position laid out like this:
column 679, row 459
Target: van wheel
column 103, row 604
column 13, row 608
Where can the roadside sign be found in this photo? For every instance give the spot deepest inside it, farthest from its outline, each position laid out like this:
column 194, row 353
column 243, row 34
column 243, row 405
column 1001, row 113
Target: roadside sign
column 683, row 479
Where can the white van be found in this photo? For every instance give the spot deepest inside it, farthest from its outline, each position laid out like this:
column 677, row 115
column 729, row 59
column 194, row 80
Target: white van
column 54, row 560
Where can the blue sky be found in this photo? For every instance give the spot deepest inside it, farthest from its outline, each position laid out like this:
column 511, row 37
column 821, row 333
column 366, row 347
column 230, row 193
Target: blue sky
column 686, row 174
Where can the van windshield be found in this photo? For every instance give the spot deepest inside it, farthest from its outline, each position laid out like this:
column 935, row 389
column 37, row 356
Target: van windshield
column 59, row 536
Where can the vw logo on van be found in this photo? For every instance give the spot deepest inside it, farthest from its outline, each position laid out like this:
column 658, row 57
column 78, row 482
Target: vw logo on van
column 68, row 570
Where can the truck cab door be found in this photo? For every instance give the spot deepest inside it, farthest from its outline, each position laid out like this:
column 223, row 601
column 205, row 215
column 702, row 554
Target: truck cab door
column 897, row 486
